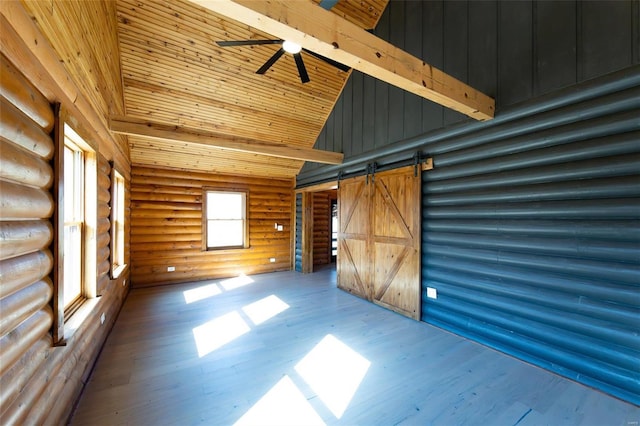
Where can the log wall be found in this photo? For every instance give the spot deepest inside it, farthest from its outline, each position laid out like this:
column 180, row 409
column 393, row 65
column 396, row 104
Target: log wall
column 322, row 228
column 41, row 382
column 166, row 227
column 26, row 207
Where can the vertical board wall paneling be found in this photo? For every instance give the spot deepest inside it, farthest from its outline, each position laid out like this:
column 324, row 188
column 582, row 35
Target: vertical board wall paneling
column 483, row 46
column 413, row 45
column 354, row 140
column 513, row 51
column 380, row 124
column 347, row 117
column 433, row 53
column 166, row 227
column 456, row 41
column 396, row 95
column 555, row 45
column 599, row 54
column 531, row 243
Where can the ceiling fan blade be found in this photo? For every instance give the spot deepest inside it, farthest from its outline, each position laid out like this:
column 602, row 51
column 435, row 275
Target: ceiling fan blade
column 328, row 4
column 302, row 70
column 272, row 60
column 229, row 43
column 329, row 61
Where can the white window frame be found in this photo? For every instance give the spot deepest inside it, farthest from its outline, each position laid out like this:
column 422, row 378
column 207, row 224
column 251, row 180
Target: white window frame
column 211, row 217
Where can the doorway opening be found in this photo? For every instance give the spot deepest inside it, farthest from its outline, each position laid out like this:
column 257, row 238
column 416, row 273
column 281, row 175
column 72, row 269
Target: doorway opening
column 316, row 238
column 334, row 230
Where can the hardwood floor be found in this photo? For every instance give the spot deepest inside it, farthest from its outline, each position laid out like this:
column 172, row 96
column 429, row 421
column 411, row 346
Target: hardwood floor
column 308, row 353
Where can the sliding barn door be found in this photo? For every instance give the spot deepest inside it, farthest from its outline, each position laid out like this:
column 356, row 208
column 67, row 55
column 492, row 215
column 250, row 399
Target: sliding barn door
column 353, row 238
column 395, row 240
column 379, row 239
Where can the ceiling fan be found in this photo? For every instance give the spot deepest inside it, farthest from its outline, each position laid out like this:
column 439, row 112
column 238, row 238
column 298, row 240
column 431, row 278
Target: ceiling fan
column 289, row 47
column 286, row 46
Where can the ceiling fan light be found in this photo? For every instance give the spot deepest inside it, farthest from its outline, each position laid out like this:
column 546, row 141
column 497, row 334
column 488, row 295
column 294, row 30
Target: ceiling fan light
column 291, row 47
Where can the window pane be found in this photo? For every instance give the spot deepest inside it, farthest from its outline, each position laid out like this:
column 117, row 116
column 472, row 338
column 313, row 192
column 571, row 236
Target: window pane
column 118, row 220
column 74, row 206
column 68, row 184
column 72, row 262
column 73, row 185
column 225, row 233
column 78, row 186
column 225, row 205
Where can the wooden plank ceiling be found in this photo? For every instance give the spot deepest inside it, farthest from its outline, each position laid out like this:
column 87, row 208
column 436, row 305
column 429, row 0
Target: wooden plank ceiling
column 175, row 74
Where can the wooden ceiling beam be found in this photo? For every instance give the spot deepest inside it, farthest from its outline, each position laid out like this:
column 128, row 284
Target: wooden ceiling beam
column 147, row 129
column 324, row 32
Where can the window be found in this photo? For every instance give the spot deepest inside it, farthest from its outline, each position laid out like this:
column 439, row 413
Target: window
column 73, row 221
column 79, row 205
column 117, row 223
column 75, row 225
column 225, row 225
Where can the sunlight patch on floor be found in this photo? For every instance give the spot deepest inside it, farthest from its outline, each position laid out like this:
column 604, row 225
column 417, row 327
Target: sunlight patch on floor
column 264, row 309
column 218, row 332
column 201, row 293
column 213, row 289
column 233, row 283
column 334, row 371
column 283, row 405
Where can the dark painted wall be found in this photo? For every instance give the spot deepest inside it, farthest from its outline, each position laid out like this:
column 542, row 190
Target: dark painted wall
column 510, row 50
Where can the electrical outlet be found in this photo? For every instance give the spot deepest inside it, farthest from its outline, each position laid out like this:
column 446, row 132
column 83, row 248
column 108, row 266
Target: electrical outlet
column 171, row 268
column 102, row 318
column 272, row 260
column 432, row 293
column 280, row 228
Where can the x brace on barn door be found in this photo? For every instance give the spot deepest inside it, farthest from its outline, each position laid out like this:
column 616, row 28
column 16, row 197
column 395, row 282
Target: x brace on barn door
column 379, row 238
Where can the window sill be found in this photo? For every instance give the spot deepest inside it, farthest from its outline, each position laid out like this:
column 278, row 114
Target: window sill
column 226, row 249
column 78, row 318
column 115, row 273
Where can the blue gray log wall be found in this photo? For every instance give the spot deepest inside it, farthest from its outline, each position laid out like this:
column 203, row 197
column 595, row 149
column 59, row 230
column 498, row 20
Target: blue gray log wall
column 531, row 237
column 531, row 222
